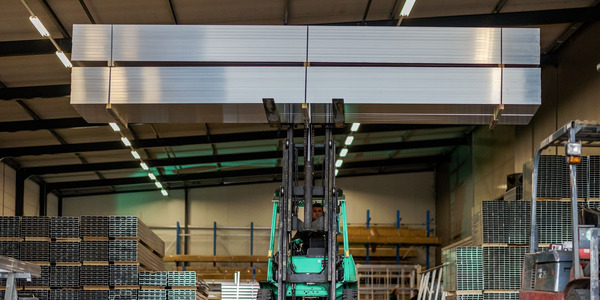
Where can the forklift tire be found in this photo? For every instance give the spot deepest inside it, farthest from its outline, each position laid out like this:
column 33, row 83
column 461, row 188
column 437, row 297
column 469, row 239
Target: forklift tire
column 349, row 294
column 578, row 294
column 265, row 294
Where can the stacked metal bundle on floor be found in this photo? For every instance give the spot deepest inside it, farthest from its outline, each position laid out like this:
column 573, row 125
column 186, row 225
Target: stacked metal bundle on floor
column 92, row 257
column 495, row 220
column 553, row 177
column 501, row 296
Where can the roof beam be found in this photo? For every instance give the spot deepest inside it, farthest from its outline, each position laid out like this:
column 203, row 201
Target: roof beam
column 33, row 47
column 182, row 161
column 48, row 124
column 527, row 18
column 193, row 140
column 412, row 161
column 30, row 92
column 497, row 19
column 79, row 193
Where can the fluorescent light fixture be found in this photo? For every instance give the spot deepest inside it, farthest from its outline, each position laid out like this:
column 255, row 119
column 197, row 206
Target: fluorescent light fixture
column 125, row 141
column 338, row 163
column 158, row 185
column 114, row 126
column 344, row 152
column 63, row 58
column 39, row 26
column 349, row 140
column 144, row 166
column 408, row 6
column 336, row 172
column 164, row 192
column 355, row 127
column 151, row 176
column 135, row 154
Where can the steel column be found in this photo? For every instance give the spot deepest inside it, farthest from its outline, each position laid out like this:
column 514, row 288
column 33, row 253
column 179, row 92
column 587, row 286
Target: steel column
column 43, row 200
column 20, row 193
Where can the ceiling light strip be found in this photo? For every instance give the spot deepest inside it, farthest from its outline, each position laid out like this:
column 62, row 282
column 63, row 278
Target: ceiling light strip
column 37, row 23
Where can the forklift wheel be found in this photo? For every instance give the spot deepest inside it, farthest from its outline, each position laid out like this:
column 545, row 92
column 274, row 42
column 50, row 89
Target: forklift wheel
column 265, row 294
column 578, row 294
column 349, row 294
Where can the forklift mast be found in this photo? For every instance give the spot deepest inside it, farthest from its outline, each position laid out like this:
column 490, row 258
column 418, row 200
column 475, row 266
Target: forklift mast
column 292, row 196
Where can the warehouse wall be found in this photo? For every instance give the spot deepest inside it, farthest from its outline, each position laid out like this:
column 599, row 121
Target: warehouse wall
column 238, row 206
column 7, row 190
column 52, row 209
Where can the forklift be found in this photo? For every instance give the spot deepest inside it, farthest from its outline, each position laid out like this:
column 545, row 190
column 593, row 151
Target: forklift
column 306, row 262
column 570, row 270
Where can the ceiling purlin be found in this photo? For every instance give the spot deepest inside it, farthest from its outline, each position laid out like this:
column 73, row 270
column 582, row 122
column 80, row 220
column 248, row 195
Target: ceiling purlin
column 45, row 124
column 199, row 140
column 182, row 161
column 372, row 164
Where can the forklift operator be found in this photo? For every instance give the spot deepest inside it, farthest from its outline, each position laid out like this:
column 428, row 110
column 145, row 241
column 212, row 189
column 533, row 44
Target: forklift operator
column 303, row 237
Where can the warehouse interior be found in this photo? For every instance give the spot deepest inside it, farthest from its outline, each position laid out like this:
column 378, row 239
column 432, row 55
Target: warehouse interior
column 219, row 178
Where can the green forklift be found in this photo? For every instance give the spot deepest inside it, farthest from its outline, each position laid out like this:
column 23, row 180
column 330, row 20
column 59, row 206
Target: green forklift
column 306, row 262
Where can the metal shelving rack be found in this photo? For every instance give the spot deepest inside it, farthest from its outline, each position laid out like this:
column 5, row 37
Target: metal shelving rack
column 11, row 269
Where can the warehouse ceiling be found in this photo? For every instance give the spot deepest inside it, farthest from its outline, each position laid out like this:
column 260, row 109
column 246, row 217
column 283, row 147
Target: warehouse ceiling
column 46, row 140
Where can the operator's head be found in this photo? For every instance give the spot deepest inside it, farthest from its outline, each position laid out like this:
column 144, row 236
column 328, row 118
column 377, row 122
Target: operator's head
column 317, row 210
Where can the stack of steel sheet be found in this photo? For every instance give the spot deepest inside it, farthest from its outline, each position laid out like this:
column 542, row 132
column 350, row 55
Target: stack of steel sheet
column 60, row 294
column 10, row 226
column 134, row 241
column 153, row 278
column 64, row 251
column 38, row 251
column 123, row 226
column 32, row 226
column 515, row 267
column 519, row 222
column 494, row 221
column 185, row 278
column 182, row 294
column 554, row 221
column 94, row 226
column 94, row 251
column 496, row 267
column 42, row 281
column 34, row 294
column 132, row 227
column 123, row 275
column 122, row 250
column 124, row 294
column 93, row 294
column 94, row 275
column 64, row 227
column 64, row 276
column 594, row 176
column 502, row 267
column 469, row 297
column 469, row 271
column 583, row 176
column 152, row 295
column 10, row 249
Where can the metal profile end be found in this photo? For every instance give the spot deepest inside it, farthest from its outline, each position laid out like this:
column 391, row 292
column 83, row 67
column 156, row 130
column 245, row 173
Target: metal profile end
column 116, row 115
column 271, row 112
column 496, row 118
column 339, row 115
